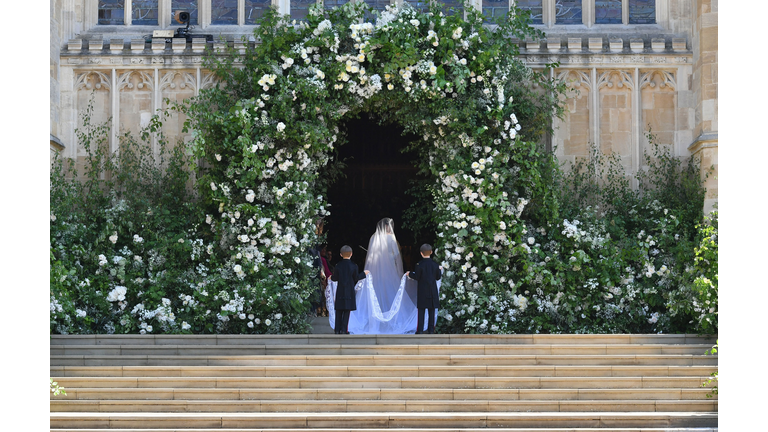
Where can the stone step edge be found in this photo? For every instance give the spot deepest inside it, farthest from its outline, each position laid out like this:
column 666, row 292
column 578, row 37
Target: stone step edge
column 382, row 383
column 385, row 339
column 428, row 347
column 384, row 356
column 380, row 360
column 570, row 406
column 365, row 415
column 642, row 429
column 373, row 420
column 422, row 371
column 386, row 394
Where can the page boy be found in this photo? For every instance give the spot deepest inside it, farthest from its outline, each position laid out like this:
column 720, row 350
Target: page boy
column 427, row 273
column 347, row 275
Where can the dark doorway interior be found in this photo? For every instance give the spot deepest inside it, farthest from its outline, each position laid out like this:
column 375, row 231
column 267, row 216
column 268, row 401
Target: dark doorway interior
column 378, row 174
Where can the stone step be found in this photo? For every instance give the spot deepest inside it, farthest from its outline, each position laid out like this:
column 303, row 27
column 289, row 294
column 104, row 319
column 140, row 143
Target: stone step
column 352, row 349
column 380, row 371
column 454, row 382
column 316, row 339
column 412, row 394
column 603, row 429
column 342, row 405
column 380, row 360
column 381, row 420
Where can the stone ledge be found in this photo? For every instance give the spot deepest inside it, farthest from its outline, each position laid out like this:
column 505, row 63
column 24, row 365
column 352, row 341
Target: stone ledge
column 56, row 143
column 554, row 44
column 705, row 140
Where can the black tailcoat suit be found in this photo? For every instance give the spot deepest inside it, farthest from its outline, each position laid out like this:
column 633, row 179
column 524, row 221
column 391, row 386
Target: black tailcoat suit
column 346, row 274
column 427, row 274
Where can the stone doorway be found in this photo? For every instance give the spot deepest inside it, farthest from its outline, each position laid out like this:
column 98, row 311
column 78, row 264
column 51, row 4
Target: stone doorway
column 378, row 176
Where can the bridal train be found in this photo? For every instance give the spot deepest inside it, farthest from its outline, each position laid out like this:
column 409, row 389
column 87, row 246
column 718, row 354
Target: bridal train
column 386, row 298
column 400, row 318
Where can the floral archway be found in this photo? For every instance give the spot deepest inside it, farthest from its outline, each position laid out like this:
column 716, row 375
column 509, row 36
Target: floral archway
column 269, row 130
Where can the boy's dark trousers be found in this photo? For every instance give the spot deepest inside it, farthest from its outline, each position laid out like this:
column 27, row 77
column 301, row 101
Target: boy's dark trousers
column 342, row 321
column 430, row 323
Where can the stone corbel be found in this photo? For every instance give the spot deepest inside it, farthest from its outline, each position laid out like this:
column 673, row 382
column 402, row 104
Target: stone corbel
column 137, row 46
column 95, row 45
column 179, row 45
column 636, row 45
column 678, row 44
column 596, row 44
column 75, row 45
column 240, row 46
column 198, row 45
column 574, row 44
column 616, row 44
column 158, row 45
column 553, row 45
column 658, row 44
column 116, row 46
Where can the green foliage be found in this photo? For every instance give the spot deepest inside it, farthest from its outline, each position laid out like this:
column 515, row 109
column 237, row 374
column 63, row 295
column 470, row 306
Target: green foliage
column 56, row 389
column 130, row 251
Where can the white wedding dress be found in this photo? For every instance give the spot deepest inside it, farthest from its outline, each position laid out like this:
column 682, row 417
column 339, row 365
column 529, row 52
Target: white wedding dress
column 386, row 298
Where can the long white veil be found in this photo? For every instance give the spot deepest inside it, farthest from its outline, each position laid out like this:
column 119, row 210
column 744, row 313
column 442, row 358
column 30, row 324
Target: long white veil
column 386, row 299
column 384, row 262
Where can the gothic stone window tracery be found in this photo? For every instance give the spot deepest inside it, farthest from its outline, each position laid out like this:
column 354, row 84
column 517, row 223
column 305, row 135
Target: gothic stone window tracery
column 112, row 12
column 568, row 12
column 534, row 7
column 227, row 12
column 254, row 9
column 224, row 12
column 642, row 11
column 144, row 12
column 495, row 8
column 608, row 12
column 300, row 8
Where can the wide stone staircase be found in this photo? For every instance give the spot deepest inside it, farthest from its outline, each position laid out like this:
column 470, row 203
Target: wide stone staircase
column 369, row 382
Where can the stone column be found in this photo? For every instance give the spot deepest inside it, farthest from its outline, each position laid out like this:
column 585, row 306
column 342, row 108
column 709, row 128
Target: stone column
column 55, row 51
column 704, row 48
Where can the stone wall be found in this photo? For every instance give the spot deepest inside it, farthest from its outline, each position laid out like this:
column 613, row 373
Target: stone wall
column 705, row 84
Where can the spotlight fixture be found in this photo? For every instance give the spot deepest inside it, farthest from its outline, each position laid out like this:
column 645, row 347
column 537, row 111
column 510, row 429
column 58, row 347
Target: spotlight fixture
column 182, row 17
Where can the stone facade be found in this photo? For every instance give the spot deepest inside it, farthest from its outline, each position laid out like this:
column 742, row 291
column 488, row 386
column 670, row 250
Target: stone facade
column 624, row 78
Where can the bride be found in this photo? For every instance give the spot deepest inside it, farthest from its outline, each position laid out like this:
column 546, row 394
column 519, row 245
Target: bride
column 386, row 299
